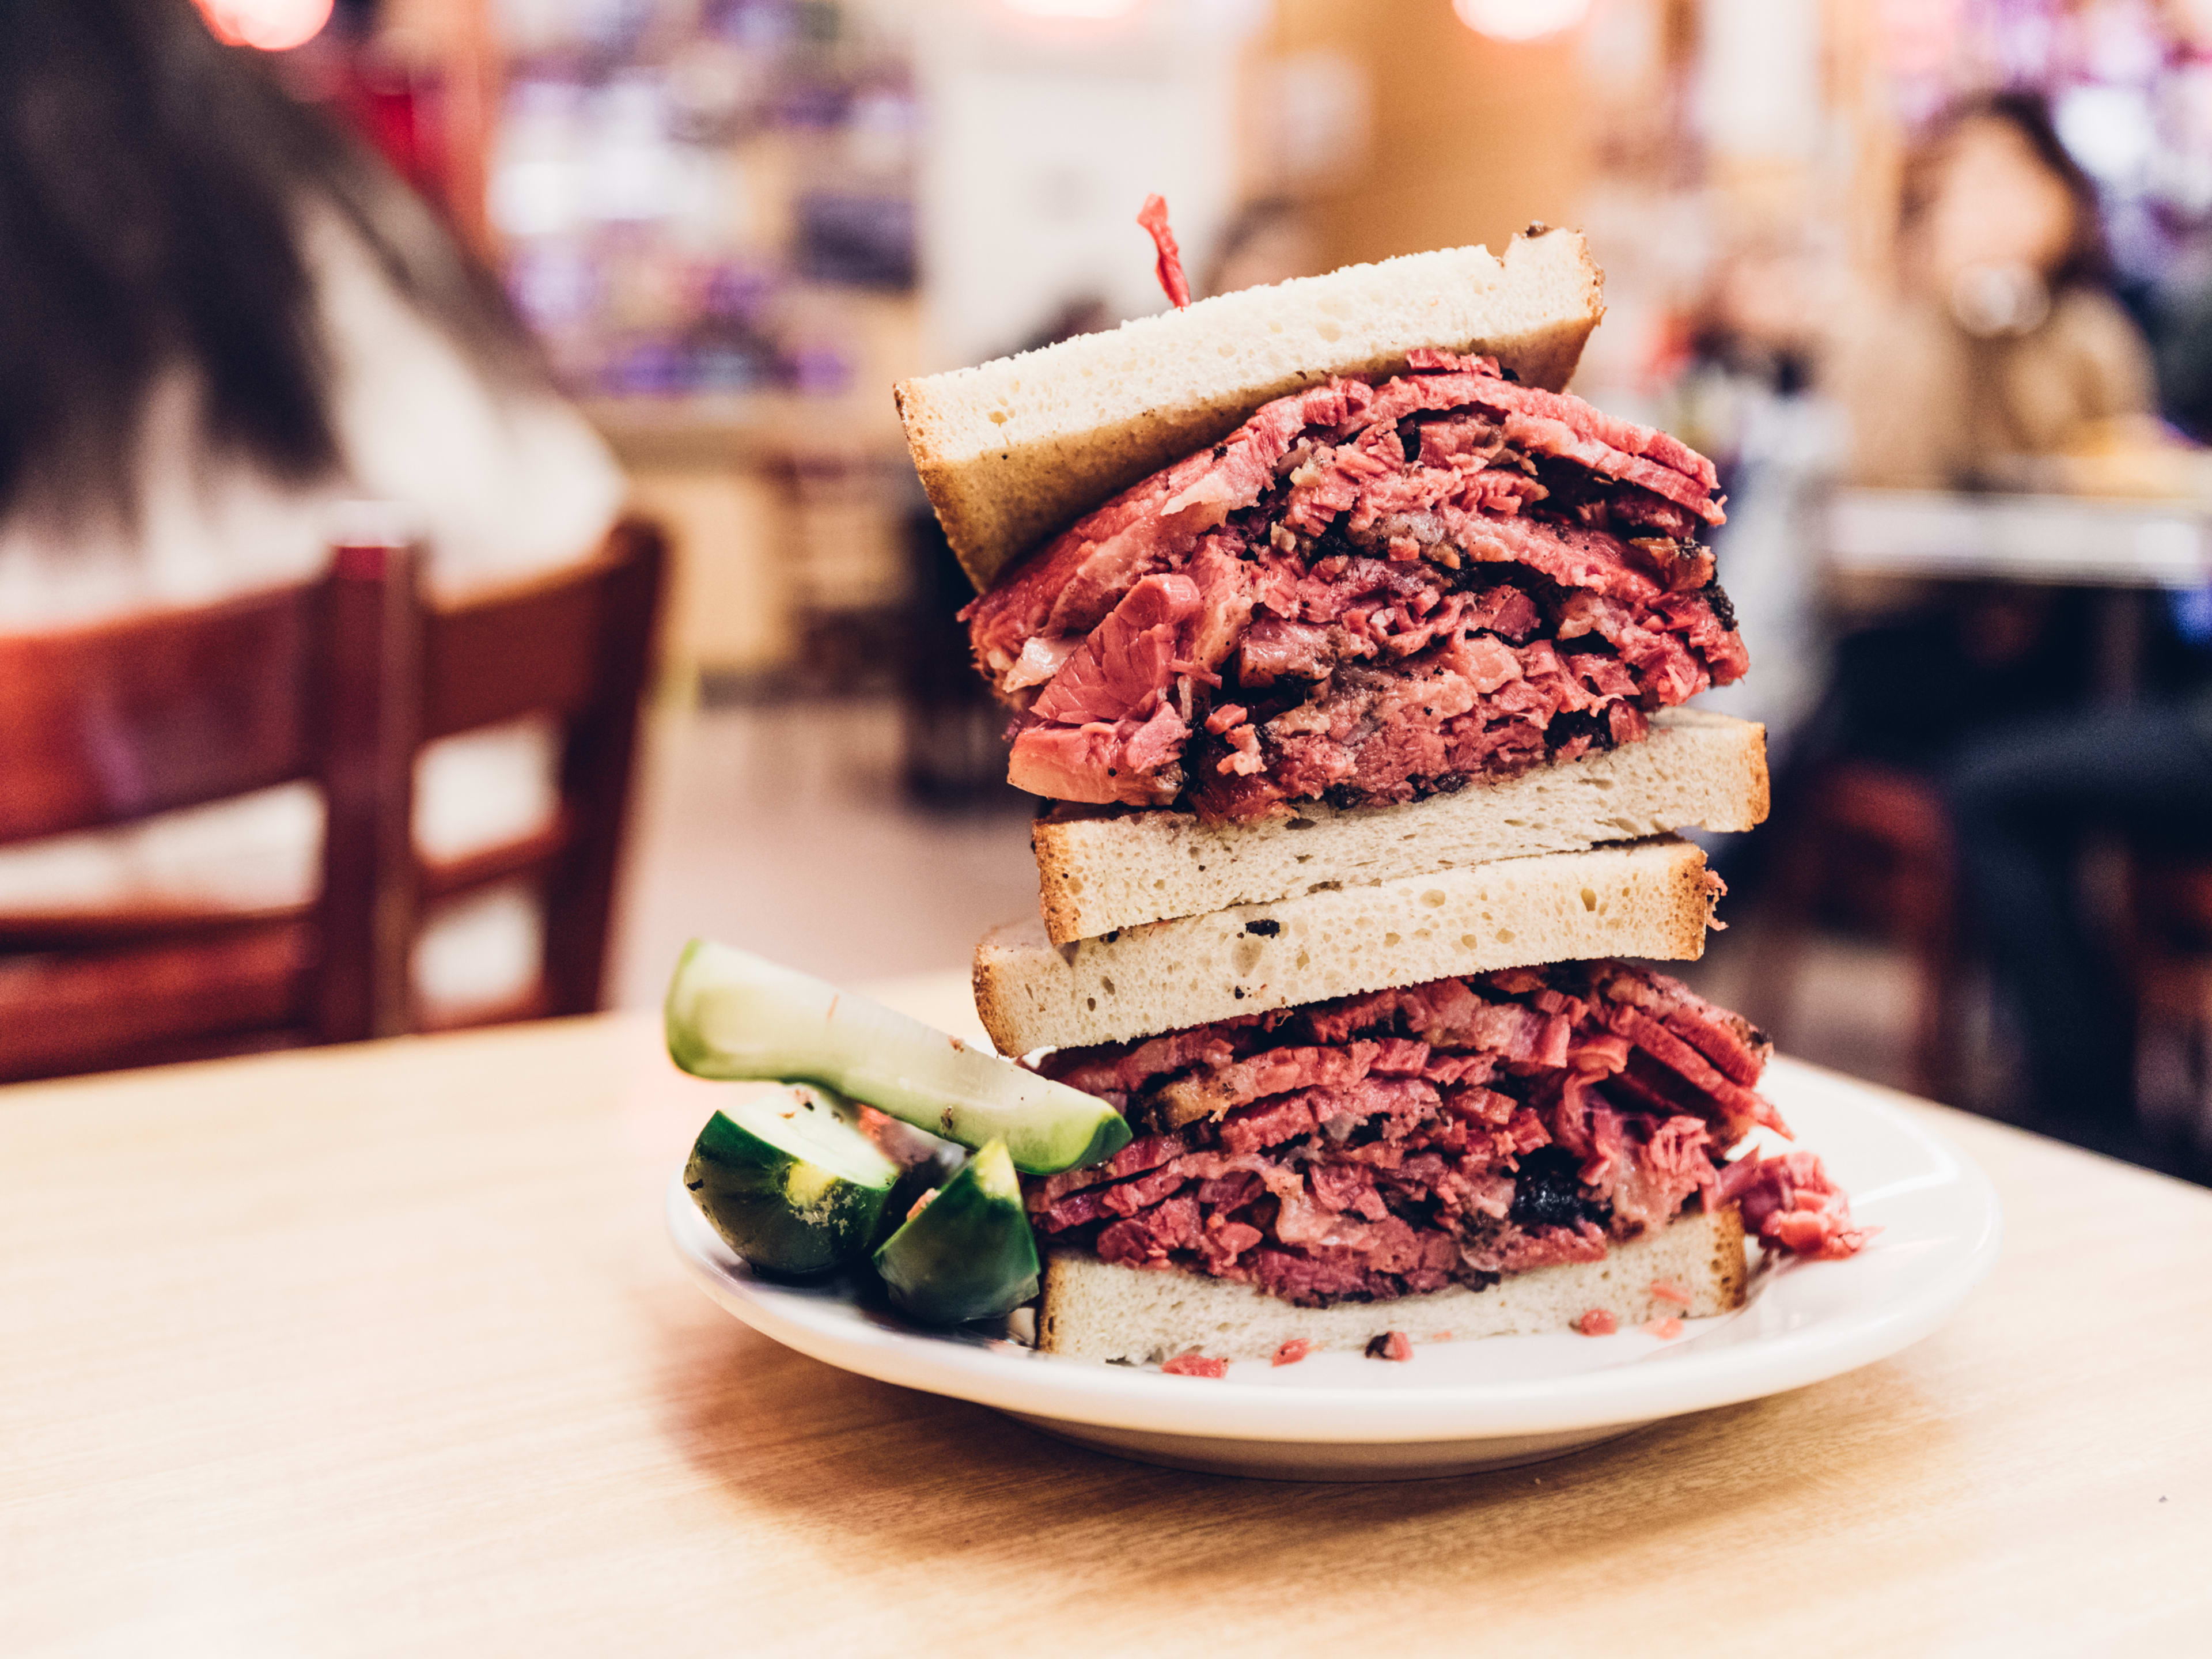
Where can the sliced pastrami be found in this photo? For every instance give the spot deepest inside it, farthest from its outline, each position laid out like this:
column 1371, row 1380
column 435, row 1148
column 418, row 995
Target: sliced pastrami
column 1397, row 1141
column 1363, row 594
column 1077, row 580
column 1791, row 1202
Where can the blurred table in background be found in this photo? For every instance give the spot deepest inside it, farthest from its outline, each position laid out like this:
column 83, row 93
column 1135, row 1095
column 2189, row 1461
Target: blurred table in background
column 2057, row 540
column 2128, row 550
column 383, row 1350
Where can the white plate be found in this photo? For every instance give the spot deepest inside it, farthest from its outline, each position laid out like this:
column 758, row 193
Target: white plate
column 1461, row 1405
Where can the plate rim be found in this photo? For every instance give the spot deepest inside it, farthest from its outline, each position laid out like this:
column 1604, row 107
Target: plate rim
column 1006, row 1377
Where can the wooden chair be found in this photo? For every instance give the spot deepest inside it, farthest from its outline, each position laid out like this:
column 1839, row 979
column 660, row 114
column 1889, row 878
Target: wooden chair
column 575, row 646
column 339, row 681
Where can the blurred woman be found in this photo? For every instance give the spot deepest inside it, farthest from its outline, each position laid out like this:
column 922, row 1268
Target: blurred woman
column 2002, row 343
column 2003, row 340
column 221, row 321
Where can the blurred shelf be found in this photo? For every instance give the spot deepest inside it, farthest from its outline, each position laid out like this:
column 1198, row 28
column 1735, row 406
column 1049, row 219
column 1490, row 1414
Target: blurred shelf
column 2060, row 540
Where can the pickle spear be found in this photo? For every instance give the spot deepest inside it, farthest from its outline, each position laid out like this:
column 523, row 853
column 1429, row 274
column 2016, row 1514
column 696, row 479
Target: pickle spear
column 731, row 1014
column 967, row 1253
column 788, row 1180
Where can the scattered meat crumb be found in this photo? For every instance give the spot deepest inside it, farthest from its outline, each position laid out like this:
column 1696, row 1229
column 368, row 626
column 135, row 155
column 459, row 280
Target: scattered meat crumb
column 1442, row 1336
column 1194, row 1365
column 1291, row 1352
column 921, row 1204
column 1391, row 1345
column 1665, row 1329
column 1666, row 1290
column 1597, row 1322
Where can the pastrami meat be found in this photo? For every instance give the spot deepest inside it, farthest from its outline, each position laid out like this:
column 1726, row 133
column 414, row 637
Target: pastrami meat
column 1365, row 594
column 1397, row 1142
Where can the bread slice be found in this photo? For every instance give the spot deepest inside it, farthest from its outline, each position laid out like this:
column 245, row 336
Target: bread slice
column 1648, row 898
column 1141, row 1316
column 1018, row 449
column 1099, row 870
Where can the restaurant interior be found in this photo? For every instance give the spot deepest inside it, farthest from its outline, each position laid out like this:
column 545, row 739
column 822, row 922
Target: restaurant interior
column 589, row 522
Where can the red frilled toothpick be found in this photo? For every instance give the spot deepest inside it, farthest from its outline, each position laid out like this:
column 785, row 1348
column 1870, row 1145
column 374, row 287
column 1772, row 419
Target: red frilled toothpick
column 1154, row 218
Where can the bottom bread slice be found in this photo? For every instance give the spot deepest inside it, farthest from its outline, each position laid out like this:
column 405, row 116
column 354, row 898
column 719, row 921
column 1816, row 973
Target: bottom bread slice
column 1102, row 1310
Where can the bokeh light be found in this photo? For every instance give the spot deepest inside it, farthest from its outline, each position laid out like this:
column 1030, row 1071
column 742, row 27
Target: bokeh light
column 1521, row 20
column 267, row 25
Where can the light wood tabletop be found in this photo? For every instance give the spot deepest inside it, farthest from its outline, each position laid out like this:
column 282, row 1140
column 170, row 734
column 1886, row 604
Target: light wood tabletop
column 382, row 1350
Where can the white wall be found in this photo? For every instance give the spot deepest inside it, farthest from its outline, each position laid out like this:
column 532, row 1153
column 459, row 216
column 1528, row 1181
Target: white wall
column 1760, row 92
column 1042, row 136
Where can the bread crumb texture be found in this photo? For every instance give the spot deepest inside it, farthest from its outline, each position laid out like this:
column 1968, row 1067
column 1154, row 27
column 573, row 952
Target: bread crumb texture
column 1644, row 899
column 1098, row 872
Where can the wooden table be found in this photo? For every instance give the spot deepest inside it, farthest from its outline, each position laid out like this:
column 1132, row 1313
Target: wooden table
column 382, row 1350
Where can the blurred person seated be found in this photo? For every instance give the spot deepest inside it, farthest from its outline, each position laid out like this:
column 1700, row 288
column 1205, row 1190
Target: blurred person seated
column 2023, row 799
column 2000, row 347
column 223, row 322
column 2003, row 339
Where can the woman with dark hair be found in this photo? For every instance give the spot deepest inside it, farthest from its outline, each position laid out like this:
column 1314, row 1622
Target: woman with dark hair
column 222, row 320
column 2002, row 340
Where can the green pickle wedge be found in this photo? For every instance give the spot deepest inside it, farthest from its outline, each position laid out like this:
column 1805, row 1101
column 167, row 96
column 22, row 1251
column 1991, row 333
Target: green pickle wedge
column 732, row 1015
column 787, row 1178
column 967, row 1253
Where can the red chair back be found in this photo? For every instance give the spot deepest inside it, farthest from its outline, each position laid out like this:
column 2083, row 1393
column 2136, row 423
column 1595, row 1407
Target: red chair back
column 339, row 681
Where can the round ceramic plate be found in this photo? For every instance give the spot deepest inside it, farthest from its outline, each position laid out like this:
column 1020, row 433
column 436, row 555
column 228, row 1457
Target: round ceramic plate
column 1461, row 1405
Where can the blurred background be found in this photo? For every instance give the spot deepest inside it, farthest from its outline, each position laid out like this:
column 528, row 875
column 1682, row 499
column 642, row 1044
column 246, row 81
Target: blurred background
column 1930, row 280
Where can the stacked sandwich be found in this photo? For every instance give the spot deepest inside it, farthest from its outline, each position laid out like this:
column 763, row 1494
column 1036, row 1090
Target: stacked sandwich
column 1352, row 653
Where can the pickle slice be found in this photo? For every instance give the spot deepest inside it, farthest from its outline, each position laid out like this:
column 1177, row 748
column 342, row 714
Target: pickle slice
column 787, row 1178
column 966, row 1254
column 731, row 1014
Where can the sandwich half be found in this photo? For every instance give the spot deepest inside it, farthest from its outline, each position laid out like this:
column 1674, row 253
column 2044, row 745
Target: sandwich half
column 1369, row 566
column 1382, row 1147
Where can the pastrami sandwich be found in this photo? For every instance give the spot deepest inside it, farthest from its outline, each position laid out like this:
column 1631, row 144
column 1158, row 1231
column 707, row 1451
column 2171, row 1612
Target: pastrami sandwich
column 1362, row 556
column 1352, row 652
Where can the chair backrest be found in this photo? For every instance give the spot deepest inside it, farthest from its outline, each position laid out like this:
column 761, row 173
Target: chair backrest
column 103, row 725
column 340, row 681
column 574, row 645
column 106, row 725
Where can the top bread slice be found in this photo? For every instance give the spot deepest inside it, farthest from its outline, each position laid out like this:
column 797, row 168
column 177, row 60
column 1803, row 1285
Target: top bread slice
column 1017, row 449
column 1102, row 869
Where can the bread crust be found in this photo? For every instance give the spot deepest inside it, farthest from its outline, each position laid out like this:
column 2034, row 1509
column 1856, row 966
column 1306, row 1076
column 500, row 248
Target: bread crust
column 1100, row 870
column 1142, row 1316
column 1015, row 450
column 1649, row 898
